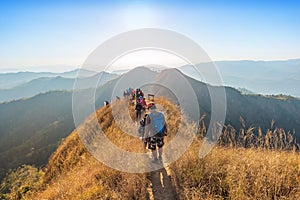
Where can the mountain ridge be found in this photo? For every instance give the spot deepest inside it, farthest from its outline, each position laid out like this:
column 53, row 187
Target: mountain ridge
column 47, row 112
column 13, row 79
column 56, row 83
column 73, row 173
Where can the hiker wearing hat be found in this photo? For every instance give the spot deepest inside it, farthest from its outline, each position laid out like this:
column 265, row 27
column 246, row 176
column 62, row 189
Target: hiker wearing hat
column 155, row 130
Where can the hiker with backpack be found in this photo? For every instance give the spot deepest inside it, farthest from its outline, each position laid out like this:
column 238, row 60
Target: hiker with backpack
column 132, row 94
column 155, row 131
column 144, row 104
column 138, row 110
column 141, row 131
column 106, row 103
column 137, row 94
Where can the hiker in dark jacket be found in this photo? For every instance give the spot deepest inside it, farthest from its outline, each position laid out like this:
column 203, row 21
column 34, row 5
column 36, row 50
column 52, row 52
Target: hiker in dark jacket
column 155, row 130
column 106, row 103
column 138, row 111
column 141, row 131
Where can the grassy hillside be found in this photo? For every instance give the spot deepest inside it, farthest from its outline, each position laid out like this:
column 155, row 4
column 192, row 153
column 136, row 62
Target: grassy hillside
column 226, row 173
column 238, row 173
column 256, row 110
column 90, row 179
column 31, row 129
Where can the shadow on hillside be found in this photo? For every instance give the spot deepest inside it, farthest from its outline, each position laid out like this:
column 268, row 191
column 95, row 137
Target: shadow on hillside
column 162, row 187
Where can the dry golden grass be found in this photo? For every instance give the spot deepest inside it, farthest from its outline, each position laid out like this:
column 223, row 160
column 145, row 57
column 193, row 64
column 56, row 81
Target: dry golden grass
column 93, row 180
column 253, row 137
column 230, row 171
column 238, row 173
column 72, row 173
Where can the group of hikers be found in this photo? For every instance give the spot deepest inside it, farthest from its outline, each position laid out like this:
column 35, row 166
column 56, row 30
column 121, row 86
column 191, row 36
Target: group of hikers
column 132, row 94
column 136, row 97
column 152, row 128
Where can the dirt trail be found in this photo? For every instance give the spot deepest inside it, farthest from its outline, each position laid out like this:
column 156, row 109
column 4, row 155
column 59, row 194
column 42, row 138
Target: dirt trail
column 162, row 188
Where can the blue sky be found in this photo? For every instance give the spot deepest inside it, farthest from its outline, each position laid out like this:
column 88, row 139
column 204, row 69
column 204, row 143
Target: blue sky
column 58, row 35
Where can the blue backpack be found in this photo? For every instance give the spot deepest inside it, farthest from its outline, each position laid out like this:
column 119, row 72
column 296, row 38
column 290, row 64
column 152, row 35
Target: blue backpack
column 158, row 123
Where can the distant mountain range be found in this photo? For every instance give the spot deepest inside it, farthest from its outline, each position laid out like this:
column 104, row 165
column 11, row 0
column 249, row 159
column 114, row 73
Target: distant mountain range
column 10, row 80
column 45, row 84
column 31, row 129
column 261, row 77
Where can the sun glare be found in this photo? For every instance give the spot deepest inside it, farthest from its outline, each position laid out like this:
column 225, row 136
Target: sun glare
column 145, row 58
column 138, row 15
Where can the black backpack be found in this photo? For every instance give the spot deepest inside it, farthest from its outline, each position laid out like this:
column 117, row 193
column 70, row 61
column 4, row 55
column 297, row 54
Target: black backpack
column 141, row 129
column 138, row 107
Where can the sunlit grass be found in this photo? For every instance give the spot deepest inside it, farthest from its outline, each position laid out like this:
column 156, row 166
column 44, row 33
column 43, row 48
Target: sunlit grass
column 246, row 164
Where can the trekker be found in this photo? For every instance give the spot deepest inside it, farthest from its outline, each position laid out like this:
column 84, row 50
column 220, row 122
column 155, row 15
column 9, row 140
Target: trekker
column 138, row 111
column 141, row 131
column 125, row 94
column 106, row 103
column 156, row 130
column 144, row 104
column 137, row 94
column 133, row 94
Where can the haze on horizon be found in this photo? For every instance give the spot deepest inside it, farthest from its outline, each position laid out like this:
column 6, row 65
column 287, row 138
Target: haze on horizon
column 59, row 35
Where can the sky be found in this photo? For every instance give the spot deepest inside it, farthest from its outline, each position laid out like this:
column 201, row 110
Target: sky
column 59, row 35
